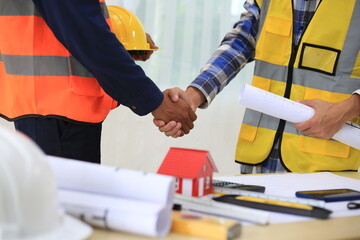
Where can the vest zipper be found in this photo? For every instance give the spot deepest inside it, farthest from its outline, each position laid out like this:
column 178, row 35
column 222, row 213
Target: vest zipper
column 289, row 80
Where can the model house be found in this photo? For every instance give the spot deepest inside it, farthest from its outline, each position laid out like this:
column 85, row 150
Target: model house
column 192, row 168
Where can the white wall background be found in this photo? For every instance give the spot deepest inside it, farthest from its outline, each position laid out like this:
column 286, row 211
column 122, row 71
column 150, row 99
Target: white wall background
column 187, row 32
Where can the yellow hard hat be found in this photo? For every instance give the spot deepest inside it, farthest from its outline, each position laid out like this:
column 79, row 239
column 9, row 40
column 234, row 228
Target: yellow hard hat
column 129, row 30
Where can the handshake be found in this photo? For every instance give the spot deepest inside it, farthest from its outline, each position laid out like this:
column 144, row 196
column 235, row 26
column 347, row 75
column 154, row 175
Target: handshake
column 176, row 114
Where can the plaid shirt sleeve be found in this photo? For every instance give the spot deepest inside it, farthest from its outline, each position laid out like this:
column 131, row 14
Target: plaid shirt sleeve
column 236, row 49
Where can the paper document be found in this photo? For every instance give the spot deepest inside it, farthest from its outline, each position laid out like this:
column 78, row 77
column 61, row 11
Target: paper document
column 289, row 110
column 118, row 199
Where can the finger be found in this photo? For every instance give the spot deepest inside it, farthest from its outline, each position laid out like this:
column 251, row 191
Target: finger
column 168, row 127
column 302, row 126
column 185, row 128
column 189, row 124
column 309, row 102
column 158, row 123
column 174, row 132
column 150, row 41
column 179, row 133
column 147, row 55
column 193, row 116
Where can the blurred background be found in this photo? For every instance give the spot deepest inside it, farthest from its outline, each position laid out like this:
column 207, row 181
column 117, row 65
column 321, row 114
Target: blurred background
column 187, row 32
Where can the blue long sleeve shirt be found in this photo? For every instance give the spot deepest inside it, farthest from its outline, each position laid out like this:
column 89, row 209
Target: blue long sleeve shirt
column 238, row 48
column 81, row 27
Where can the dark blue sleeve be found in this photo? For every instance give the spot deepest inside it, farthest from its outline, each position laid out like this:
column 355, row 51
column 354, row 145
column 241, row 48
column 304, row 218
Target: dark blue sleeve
column 81, row 27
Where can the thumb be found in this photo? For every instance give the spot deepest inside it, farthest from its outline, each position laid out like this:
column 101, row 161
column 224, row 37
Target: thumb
column 308, row 102
column 174, row 95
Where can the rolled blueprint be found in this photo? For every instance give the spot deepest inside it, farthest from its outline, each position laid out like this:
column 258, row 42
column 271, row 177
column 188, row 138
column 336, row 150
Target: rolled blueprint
column 105, row 180
column 289, row 110
column 118, row 214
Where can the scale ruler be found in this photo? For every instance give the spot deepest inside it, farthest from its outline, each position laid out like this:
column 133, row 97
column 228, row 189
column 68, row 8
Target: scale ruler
column 211, row 207
column 312, row 202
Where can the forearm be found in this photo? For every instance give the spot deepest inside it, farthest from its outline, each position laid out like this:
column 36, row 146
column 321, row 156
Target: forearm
column 196, row 96
column 352, row 106
column 237, row 49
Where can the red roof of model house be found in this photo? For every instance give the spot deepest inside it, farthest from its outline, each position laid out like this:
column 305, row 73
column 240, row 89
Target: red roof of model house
column 185, row 163
column 192, row 168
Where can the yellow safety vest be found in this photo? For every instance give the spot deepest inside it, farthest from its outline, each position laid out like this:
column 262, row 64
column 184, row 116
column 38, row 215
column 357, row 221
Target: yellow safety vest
column 325, row 65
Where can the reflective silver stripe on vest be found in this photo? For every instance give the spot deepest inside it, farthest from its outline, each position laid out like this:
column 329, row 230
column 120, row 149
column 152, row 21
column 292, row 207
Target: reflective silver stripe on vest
column 257, row 119
column 311, row 79
column 263, row 69
column 338, row 84
column 44, row 66
column 18, row 8
column 351, row 48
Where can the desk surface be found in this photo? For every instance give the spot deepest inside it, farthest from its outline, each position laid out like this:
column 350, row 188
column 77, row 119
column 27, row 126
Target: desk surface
column 335, row 228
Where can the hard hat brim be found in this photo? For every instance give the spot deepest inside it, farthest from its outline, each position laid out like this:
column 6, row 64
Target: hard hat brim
column 70, row 229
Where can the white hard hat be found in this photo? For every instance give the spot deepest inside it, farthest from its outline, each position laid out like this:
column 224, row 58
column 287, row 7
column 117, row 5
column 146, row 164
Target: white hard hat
column 29, row 208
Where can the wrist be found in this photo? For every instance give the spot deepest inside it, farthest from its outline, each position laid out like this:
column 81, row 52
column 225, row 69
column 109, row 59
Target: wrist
column 353, row 104
column 197, row 97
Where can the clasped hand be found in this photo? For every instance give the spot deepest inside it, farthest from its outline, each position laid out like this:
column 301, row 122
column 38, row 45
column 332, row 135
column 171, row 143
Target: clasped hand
column 175, row 113
column 174, row 128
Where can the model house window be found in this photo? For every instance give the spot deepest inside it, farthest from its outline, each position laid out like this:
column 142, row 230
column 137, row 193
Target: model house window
column 177, row 184
column 207, row 182
column 204, row 168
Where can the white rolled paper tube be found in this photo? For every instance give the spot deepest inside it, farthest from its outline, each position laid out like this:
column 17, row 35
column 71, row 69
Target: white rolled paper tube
column 349, row 134
column 106, row 180
column 118, row 214
column 289, row 110
column 274, row 105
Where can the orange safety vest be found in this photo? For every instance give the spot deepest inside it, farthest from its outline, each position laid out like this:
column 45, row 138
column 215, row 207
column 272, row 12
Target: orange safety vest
column 38, row 75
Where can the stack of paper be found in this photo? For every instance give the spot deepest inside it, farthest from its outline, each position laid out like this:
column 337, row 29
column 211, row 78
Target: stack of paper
column 113, row 198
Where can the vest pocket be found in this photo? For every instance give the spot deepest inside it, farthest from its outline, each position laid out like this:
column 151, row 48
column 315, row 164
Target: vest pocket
column 274, row 44
column 323, row 147
column 85, row 86
column 319, row 58
column 248, row 132
column 83, row 82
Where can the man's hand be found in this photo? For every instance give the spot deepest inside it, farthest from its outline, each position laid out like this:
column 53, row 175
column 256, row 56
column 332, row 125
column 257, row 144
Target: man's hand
column 180, row 112
column 148, row 53
column 192, row 96
column 329, row 117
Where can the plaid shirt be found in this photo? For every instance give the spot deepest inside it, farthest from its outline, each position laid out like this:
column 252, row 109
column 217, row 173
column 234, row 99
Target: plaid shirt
column 237, row 49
